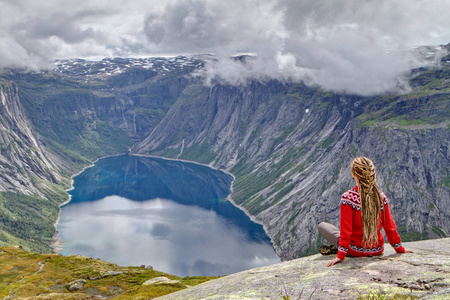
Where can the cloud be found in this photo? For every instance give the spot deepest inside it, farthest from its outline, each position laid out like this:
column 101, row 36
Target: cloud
column 349, row 46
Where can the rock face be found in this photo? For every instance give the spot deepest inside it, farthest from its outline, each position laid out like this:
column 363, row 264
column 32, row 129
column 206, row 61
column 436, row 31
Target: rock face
column 425, row 273
column 76, row 285
column 290, row 147
column 160, row 280
column 21, row 153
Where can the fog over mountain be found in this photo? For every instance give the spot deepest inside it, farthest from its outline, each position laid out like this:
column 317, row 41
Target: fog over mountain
column 361, row 47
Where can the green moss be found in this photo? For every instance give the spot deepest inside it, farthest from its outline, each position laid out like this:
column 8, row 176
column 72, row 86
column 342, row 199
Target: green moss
column 326, row 143
column 446, row 181
column 282, row 193
column 438, row 231
column 241, row 168
column 411, row 235
column 198, row 152
column 169, row 152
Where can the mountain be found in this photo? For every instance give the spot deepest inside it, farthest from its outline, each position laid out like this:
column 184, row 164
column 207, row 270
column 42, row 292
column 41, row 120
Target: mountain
column 21, row 152
column 31, row 185
column 288, row 145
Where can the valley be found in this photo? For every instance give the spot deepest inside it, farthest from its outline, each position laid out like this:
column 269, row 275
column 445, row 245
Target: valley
column 288, row 145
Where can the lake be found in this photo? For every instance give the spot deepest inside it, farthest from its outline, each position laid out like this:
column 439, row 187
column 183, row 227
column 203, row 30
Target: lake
column 172, row 215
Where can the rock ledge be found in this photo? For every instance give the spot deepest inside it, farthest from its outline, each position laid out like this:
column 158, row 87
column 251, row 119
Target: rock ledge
column 425, row 273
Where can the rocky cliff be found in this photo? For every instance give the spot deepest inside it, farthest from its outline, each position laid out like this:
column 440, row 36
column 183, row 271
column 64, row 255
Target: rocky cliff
column 30, row 184
column 85, row 110
column 290, row 147
column 22, row 158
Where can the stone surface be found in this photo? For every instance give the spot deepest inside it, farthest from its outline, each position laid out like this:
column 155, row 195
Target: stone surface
column 160, row 280
column 424, row 273
column 76, row 285
column 22, row 155
column 112, row 273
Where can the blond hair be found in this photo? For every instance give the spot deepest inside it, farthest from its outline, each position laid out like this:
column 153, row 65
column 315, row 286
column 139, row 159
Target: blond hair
column 371, row 199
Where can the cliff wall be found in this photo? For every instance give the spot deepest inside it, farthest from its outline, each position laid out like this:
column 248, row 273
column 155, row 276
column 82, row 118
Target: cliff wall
column 22, row 156
column 290, row 147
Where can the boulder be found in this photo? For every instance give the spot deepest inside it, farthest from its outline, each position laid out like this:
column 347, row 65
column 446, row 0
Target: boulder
column 424, row 273
column 76, row 285
column 160, row 280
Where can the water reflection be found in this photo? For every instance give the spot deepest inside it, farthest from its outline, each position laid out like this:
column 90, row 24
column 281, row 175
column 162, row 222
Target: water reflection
column 172, row 215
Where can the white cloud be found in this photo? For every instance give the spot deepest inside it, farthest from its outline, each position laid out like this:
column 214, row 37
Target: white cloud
column 354, row 46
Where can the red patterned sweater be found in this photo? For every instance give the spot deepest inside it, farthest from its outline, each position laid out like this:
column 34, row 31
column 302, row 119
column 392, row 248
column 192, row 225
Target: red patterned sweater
column 351, row 235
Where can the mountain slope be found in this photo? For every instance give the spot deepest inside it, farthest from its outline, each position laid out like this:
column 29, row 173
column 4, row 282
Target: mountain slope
column 30, row 184
column 27, row 275
column 290, row 147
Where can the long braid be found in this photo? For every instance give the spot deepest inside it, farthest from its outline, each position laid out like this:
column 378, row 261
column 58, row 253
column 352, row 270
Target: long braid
column 371, row 199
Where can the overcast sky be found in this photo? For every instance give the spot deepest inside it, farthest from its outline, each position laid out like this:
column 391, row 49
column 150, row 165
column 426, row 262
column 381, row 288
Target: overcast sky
column 357, row 46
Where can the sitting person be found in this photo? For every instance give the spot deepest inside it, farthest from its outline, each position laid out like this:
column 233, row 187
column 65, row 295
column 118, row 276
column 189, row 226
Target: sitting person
column 364, row 211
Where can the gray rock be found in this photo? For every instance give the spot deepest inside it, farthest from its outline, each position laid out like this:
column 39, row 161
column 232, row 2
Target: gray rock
column 160, row 280
column 112, row 273
column 21, row 152
column 76, row 285
column 310, row 278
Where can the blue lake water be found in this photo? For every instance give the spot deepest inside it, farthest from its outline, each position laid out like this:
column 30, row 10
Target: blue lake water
column 172, row 215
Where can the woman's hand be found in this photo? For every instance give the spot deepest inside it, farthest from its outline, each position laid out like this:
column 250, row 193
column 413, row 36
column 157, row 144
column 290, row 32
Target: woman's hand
column 333, row 262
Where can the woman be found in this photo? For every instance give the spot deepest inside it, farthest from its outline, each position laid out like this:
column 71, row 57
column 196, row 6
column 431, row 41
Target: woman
column 364, row 211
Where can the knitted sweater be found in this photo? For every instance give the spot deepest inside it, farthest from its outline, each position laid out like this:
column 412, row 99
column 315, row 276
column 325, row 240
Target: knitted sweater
column 351, row 228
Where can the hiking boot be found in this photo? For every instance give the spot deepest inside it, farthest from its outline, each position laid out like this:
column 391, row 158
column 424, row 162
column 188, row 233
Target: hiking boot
column 328, row 250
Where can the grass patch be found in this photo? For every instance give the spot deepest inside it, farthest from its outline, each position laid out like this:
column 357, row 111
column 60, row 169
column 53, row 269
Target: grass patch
column 326, row 143
column 446, row 181
column 248, row 183
column 438, row 231
column 409, row 236
column 198, row 152
column 28, row 275
column 383, row 296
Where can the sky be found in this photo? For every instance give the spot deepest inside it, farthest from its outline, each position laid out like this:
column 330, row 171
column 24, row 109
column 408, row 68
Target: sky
column 352, row 46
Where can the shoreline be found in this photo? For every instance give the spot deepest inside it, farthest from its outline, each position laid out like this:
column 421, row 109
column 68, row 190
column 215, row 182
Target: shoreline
column 57, row 244
column 228, row 198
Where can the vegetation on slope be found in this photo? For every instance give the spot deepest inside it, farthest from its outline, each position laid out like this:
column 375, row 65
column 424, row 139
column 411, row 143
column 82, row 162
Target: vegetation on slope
column 26, row 275
column 259, row 186
column 427, row 104
column 27, row 220
column 73, row 132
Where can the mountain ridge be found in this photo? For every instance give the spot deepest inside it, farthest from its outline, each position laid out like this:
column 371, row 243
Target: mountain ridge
column 288, row 145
